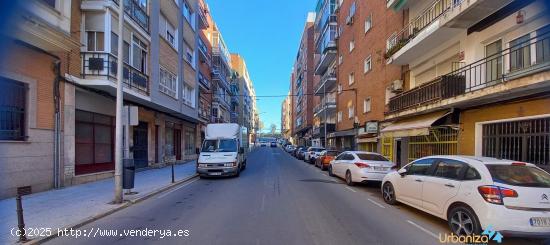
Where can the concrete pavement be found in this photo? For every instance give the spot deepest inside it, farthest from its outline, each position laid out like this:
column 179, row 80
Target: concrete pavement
column 277, row 200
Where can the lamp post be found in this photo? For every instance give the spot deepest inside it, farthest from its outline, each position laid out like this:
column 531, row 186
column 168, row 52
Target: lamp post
column 119, row 104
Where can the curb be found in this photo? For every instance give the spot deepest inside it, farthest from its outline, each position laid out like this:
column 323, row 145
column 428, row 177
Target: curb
column 127, row 203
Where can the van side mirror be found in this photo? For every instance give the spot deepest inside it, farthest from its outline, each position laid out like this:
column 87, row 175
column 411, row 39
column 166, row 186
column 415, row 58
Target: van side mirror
column 241, row 150
column 402, row 171
column 197, row 151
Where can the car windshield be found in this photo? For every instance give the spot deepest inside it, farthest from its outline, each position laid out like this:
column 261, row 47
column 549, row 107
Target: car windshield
column 519, row 175
column 332, row 153
column 223, row 145
column 372, row 157
column 316, row 149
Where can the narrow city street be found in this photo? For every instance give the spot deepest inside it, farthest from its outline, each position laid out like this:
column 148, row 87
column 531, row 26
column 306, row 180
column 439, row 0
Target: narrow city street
column 277, row 200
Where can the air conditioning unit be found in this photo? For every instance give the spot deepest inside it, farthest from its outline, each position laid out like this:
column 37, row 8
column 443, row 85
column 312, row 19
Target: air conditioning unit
column 397, row 86
column 349, row 20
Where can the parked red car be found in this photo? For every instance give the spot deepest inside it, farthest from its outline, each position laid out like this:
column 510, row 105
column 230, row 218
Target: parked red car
column 323, row 161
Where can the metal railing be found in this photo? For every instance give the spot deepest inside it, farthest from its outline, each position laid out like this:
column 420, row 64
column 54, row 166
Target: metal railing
column 325, row 103
column 100, row 64
column 424, row 19
column 327, row 41
column 495, row 69
column 324, row 80
column 13, row 109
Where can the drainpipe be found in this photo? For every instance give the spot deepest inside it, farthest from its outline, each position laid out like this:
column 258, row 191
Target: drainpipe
column 57, row 124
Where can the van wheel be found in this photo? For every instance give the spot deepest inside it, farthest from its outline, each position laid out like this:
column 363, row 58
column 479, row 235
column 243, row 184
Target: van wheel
column 463, row 221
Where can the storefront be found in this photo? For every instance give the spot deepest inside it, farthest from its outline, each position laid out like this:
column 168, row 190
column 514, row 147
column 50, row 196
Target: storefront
column 94, row 142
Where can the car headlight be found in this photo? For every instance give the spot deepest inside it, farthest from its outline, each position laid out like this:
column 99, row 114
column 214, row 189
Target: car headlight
column 230, row 164
column 202, row 165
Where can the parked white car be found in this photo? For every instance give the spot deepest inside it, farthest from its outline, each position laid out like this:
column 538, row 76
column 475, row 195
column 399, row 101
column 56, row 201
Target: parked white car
column 360, row 166
column 312, row 153
column 473, row 193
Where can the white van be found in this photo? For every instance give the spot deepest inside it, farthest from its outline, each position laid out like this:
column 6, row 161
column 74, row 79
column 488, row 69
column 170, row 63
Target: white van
column 224, row 150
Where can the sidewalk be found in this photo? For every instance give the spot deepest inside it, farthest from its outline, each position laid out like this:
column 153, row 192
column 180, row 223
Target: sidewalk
column 70, row 206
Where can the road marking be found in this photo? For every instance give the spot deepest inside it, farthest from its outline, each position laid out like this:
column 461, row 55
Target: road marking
column 376, row 203
column 325, row 174
column 350, row 189
column 175, row 189
column 263, row 203
column 423, row 229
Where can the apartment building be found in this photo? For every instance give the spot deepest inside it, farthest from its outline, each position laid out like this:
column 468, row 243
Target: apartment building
column 221, row 77
column 475, row 80
column 205, row 67
column 363, row 76
column 303, row 83
column 243, row 84
column 326, row 30
column 286, row 118
column 39, row 49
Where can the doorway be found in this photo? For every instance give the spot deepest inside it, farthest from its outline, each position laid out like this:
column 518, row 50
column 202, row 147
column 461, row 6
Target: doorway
column 177, row 143
column 140, row 148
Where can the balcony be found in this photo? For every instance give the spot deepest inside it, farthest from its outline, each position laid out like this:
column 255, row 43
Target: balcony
column 100, row 65
column 438, row 23
column 221, row 79
column 326, row 46
column 328, row 80
column 320, row 130
column 205, row 56
column 234, row 117
column 218, row 98
column 328, row 105
column 326, row 13
column 491, row 79
column 136, row 12
column 203, row 82
column 203, row 21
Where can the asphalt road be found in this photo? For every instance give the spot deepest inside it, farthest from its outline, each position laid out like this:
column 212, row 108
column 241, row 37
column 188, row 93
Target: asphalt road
column 276, row 200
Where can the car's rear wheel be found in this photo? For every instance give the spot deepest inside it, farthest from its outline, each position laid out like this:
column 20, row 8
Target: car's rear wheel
column 349, row 180
column 330, row 173
column 463, row 221
column 388, row 193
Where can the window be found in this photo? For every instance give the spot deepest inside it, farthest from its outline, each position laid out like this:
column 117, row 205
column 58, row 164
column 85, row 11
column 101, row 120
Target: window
column 449, row 169
column 189, row 95
column 96, row 40
column 350, row 111
column 188, row 14
column 114, row 43
column 351, row 45
column 339, row 88
column 419, row 167
column 13, row 109
column 50, row 3
column 367, row 105
column 368, row 23
column 352, row 9
column 543, row 45
column 372, row 157
column 339, row 116
column 340, row 59
column 368, row 65
column 494, row 62
column 126, row 52
column 190, row 57
column 189, row 142
column 520, row 53
column 471, row 174
column 351, row 78
column 168, row 31
column 168, row 83
column 520, row 175
column 139, row 54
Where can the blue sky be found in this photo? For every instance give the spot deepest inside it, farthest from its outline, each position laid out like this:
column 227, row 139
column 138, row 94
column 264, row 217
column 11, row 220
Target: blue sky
column 267, row 34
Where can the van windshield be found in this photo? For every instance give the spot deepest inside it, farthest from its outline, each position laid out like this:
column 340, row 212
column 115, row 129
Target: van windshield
column 223, row 145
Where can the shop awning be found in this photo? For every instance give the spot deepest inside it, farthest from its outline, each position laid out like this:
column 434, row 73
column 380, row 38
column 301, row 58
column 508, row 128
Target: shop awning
column 344, row 133
column 415, row 126
column 367, row 140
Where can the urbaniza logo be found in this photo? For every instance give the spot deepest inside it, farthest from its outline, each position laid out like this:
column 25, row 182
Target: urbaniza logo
column 486, row 236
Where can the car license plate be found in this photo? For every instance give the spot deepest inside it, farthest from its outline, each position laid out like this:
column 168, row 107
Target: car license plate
column 380, row 168
column 215, row 173
column 540, row 221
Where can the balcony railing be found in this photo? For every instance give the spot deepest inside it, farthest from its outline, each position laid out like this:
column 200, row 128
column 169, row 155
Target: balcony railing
column 327, row 41
column 326, row 80
column 99, row 64
column 424, row 19
column 136, row 12
column 326, row 102
column 496, row 69
column 326, row 14
column 203, row 49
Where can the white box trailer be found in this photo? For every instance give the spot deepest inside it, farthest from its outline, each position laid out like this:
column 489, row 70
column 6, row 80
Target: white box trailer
column 224, row 150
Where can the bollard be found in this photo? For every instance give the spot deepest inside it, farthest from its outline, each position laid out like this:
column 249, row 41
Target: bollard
column 20, row 221
column 173, row 181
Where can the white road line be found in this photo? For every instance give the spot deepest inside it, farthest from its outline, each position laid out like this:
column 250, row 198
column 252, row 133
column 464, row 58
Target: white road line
column 263, row 203
column 423, row 229
column 325, row 174
column 351, row 189
column 376, row 203
column 175, row 189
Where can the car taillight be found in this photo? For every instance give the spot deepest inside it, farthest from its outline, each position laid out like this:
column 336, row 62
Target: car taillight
column 495, row 194
column 361, row 165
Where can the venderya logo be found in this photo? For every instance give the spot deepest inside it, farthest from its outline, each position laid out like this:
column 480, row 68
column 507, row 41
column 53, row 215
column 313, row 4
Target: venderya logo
column 544, row 197
column 487, row 235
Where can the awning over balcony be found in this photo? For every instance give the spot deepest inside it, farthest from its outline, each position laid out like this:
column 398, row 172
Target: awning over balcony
column 416, row 126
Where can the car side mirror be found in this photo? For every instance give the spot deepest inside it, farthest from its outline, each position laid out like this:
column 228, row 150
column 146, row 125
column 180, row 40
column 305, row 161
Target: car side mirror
column 241, row 150
column 197, row 151
column 402, row 171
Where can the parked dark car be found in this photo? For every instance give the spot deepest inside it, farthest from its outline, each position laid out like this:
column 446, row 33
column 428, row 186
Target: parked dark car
column 296, row 150
column 273, row 144
column 300, row 154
